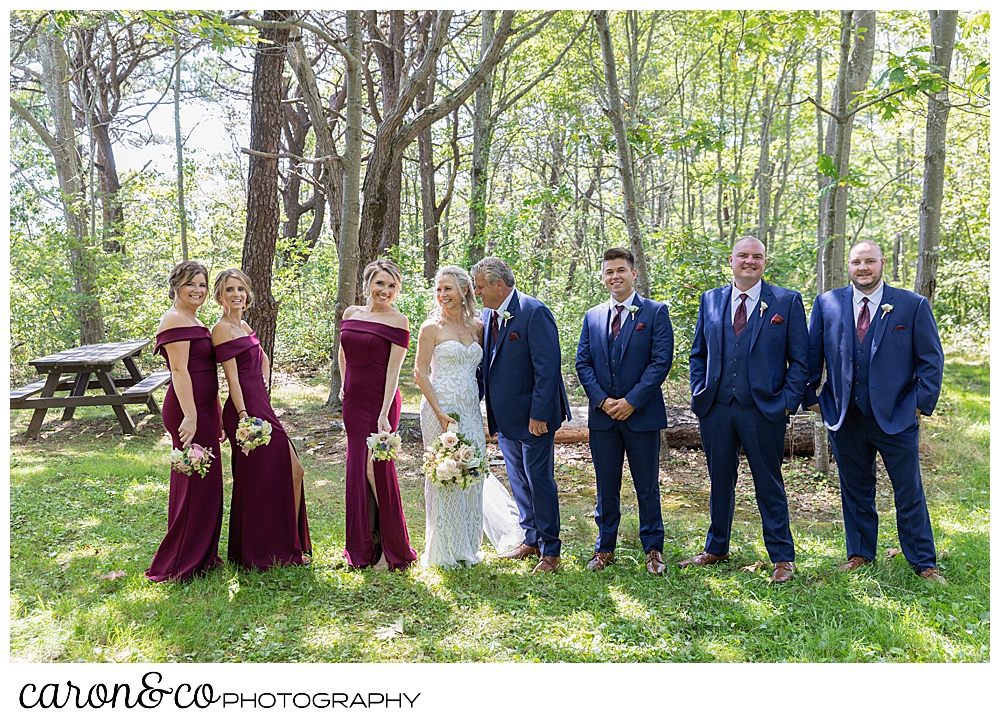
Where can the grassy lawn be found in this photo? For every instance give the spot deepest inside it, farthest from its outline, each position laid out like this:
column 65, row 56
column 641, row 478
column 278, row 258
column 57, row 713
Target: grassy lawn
column 87, row 502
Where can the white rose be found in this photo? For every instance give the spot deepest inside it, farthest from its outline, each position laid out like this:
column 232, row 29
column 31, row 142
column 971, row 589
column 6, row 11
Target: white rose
column 242, row 435
column 447, row 469
column 466, row 454
column 449, row 440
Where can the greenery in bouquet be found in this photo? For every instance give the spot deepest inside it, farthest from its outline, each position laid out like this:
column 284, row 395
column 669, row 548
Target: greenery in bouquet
column 192, row 459
column 384, row 445
column 454, row 460
column 252, row 432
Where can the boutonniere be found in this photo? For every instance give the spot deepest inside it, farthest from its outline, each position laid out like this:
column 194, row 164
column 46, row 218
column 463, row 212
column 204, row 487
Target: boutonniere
column 763, row 307
column 632, row 309
column 886, row 308
column 505, row 317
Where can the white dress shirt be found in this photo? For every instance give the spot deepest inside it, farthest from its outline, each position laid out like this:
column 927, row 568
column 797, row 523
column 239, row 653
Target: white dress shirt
column 627, row 303
column 753, row 295
column 874, row 301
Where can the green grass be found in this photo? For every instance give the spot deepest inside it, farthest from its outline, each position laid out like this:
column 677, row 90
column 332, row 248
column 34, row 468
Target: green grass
column 85, row 501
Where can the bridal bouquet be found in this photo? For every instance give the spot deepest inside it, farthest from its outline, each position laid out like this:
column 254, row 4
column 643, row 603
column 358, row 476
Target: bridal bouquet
column 384, row 445
column 453, row 460
column 252, row 432
column 191, row 459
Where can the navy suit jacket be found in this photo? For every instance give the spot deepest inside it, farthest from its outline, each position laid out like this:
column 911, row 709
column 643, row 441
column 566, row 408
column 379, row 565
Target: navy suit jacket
column 524, row 380
column 779, row 350
column 905, row 366
column 647, row 352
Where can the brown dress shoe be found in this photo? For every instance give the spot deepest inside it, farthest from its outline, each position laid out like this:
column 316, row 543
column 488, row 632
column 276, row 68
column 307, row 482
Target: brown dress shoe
column 703, row 558
column 932, row 574
column 853, row 563
column 783, row 571
column 547, row 564
column 521, row 552
column 600, row 560
column 654, row 563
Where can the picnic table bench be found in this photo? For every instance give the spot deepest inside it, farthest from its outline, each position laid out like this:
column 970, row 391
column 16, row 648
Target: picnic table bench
column 71, row 370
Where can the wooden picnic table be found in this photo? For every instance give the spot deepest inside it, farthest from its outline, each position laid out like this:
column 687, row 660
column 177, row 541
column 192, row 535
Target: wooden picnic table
column 71, row 370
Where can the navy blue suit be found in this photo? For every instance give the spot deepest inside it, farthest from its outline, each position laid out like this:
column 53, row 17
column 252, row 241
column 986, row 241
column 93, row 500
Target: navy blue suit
column 522, row 379
column 632, row 366
column 869, row 403
column 740, row 389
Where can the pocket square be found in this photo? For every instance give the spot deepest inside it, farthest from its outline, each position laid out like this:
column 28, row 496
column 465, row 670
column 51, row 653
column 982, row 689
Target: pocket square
column 640, row 326
column 899, row 328
column 777, row 319
column 512, row 336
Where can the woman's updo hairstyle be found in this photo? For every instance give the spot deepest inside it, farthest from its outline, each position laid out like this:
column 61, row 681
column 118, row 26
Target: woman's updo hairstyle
column 387, row 265
column 183, row 273
column 220, row 285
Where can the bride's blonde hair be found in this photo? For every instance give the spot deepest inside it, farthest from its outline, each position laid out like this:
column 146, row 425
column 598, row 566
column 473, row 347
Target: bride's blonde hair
column 464, row 281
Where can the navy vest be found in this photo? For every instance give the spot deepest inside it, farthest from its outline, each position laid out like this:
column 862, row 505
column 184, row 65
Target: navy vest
column 734, row 381
column 861, row 359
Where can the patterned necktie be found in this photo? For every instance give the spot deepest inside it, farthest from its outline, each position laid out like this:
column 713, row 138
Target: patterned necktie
column 494, row 329
column 864, row 320
column 740, row 318
column 616, row 321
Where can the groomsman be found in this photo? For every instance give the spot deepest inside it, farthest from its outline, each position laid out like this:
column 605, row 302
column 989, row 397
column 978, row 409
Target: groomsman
column 749, row 362
column 884, row 364
column 625, row 352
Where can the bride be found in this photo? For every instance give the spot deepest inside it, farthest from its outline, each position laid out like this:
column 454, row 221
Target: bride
column 449, row 349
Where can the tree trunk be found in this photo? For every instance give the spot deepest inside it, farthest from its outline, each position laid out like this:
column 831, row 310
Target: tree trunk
column 428, row 196
column 852, row 77
column 351, row 204
column 63, row 146
column 482, row 137
column 820, row 439
column 330, row 171
column 392, row 135
column 179, row 146
column 613, row 112
column 943, row 24
column 263, row 207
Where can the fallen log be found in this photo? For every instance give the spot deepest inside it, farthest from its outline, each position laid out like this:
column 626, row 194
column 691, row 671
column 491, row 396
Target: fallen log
column 682, row 431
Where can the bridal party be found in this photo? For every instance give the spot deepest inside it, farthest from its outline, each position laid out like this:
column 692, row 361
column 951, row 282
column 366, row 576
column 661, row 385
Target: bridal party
column 869, row 361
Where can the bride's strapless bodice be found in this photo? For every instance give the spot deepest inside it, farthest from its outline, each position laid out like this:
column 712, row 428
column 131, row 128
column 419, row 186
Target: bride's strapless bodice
column 453, row 371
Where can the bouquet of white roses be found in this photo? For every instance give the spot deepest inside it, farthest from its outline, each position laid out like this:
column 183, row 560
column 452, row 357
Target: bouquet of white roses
column 453, row 460
column 191, row 459
column 384, row 445
column 252, row 432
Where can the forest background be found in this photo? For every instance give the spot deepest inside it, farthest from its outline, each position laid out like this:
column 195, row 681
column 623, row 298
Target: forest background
column 489, row 133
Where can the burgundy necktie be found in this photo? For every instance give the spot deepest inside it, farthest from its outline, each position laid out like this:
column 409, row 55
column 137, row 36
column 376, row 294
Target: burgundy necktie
column 864, row 320
column 740, row 318
column 616, row 321
column 494, row 328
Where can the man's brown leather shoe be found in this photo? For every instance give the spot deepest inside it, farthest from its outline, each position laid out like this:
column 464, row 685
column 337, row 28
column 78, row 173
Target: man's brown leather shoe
column 853, row 563
column 600, row 560
column 783, row 571
column 547, row 564
column 654, row 562
column 932, row 574
column 521, row 552
column 703, row 558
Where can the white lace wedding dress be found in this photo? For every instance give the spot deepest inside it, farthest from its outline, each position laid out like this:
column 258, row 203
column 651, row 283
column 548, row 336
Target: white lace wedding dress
column 456, row 518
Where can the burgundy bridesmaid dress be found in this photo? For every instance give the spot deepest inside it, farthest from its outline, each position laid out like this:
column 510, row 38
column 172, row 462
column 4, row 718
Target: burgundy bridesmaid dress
column 194, row 511
column 264, row 528
column 373, row 526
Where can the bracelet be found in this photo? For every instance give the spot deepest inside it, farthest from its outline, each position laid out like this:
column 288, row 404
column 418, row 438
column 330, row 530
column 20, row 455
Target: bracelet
column 241, row 411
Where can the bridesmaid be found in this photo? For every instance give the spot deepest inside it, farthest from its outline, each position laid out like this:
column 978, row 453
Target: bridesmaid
column 191, row 414
column 267, row 521
column 373, row 342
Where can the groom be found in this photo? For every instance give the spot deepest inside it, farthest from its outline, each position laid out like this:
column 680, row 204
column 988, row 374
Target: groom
column 525, row 403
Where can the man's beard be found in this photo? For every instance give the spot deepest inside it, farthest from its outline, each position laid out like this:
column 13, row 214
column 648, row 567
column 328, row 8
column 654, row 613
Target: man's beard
column 865, row 288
